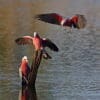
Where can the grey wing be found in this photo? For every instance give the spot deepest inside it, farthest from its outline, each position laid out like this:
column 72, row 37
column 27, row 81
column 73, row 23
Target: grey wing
column 24, row 40
column 50, row 44
column 81, row 21
column 52, row 18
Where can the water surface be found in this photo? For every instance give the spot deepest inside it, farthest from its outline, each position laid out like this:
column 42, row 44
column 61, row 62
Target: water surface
column 74, row 72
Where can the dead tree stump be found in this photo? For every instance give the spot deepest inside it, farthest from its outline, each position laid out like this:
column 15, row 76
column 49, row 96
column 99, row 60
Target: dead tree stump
column 34, row 68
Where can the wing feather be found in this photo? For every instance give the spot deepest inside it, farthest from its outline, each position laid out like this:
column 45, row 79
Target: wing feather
column 50, row 44
column 81, row 21
column 52, row 18
column 24, row 40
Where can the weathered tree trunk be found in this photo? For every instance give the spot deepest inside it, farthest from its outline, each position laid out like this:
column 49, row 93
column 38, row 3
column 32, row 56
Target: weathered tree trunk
column 27, row 93
column 34, row 68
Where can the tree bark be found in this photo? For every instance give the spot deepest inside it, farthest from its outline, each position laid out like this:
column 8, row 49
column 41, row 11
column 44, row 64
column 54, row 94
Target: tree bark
column 34, row 68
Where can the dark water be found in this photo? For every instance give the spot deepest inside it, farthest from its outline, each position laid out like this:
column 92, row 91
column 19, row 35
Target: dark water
column 74, row 72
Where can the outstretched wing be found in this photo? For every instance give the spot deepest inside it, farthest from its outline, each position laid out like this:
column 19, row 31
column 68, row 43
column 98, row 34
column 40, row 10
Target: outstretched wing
column 52, row 18
column 81, row 21
column 24, row 40
column 50, row 44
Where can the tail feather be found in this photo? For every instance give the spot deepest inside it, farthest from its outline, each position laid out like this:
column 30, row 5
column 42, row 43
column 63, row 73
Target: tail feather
column 46, row 55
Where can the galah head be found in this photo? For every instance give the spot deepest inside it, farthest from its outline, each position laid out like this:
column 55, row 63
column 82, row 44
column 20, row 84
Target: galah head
column 25, row 59
column 35, row 34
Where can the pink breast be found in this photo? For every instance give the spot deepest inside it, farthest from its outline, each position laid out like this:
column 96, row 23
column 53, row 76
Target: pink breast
column 75, row 19
column 68, row 23
column 37, row 43
column 24, row 69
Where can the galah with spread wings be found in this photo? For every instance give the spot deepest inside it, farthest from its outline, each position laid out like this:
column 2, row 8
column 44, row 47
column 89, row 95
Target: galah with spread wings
column 77, row 21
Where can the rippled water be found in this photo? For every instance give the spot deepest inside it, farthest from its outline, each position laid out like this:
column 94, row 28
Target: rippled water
column 74, row 72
